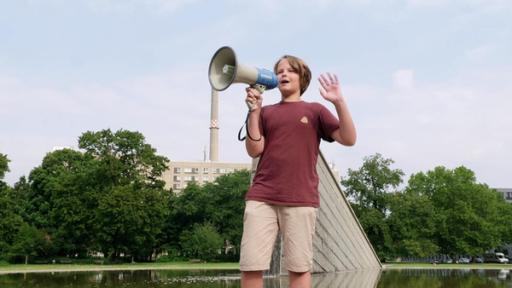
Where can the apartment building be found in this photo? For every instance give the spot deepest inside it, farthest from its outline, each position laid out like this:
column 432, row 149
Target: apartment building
column 507, row 193
column 180, row 174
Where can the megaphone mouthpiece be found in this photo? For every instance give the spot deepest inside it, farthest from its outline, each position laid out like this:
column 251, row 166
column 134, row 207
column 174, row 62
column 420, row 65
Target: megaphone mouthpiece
column 228, row 69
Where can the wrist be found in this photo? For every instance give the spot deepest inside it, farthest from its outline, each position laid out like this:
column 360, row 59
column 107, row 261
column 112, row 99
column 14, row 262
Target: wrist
column 339, row 101
column 255, row 110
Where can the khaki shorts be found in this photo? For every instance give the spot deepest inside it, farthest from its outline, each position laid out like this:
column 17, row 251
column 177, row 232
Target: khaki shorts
column 262, row 222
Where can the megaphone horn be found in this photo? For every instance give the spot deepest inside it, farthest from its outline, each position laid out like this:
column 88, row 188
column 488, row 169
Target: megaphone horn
column 225, row 70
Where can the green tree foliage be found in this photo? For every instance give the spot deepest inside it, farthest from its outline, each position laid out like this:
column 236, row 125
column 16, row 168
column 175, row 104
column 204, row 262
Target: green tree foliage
column 62, row 200
column 412, row 225
column 220, row 203
column 440, row 212
column 504, row 211
column 228, row 200
column 125, row 157
column 369, row 185
column 377, row 229
column 10, row 220
column 465, row 212
column 131, row 204
column 130, row 221
column 202, row 241
column 29, row 241
column 369, row 189
column 4, row 165
column 109, row 198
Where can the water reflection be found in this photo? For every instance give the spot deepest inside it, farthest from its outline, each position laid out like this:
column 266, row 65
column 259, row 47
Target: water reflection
column 434, row 278
column 215, row 279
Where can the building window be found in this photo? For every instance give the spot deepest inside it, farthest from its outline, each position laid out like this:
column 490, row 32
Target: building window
column 189, row 178
column 176, row 186
column 206, row 178
column 195, row 170
column 508, row 196
column 205, row 170
column 187, row 170
column 177, row 170
column 176, row 178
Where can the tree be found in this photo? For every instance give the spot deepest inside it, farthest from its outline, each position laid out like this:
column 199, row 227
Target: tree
column 220, row 203
column 4, row 165
column 369, row 185
column 70, row 196
column 130, row 221
column 228, row 198
column 62, row 200
column 125, row 157
column 466, row 212
column 412, row 225
column 202, row 241
column 10, row 221
column 368, row 189
column 186, row 209
column 29, row 241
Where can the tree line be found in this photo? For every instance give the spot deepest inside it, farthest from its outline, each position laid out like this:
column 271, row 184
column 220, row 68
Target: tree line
column 109, row 198
column 439, row 212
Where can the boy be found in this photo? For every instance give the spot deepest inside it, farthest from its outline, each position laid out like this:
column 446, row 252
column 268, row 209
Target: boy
column 284, row 193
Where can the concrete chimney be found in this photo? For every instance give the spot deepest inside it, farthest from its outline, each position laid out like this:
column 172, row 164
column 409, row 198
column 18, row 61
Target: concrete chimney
column 214, row 127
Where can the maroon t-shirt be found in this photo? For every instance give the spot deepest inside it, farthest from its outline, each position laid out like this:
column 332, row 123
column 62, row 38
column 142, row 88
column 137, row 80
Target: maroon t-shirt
column 286, row 173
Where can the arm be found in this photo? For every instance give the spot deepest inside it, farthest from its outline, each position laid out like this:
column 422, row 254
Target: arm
column 330, row 91
column 254, row 100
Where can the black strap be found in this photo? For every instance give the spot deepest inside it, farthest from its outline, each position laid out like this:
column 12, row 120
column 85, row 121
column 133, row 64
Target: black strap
column 246, row 130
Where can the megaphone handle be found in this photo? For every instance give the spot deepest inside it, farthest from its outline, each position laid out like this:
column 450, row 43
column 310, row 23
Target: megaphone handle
column 261, row 89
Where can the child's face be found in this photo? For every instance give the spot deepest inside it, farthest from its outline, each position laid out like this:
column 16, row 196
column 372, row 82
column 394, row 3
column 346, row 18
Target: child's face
column 289, row 82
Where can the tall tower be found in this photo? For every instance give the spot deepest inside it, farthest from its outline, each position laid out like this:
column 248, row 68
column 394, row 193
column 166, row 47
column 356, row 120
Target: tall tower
column 214, row 127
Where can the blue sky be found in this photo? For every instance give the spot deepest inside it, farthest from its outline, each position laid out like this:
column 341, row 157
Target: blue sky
column 428, row 82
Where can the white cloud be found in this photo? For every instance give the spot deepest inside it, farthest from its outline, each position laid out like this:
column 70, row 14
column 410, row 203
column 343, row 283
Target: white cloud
column 403, row 79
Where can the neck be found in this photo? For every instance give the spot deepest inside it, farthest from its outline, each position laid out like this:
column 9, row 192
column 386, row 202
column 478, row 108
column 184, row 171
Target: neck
column 295, row 97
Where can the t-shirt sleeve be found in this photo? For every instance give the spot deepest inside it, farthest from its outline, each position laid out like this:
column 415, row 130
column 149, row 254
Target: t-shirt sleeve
column 328, row 124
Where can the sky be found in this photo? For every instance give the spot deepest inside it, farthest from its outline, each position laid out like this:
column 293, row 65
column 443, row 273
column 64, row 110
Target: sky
column 428, row 82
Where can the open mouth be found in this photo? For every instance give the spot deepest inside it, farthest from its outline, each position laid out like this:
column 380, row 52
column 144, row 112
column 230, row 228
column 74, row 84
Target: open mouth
column 284, row 81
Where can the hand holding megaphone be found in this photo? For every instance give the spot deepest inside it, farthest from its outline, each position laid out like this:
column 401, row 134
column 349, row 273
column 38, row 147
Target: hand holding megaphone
column 225, row 70
column 253, row 100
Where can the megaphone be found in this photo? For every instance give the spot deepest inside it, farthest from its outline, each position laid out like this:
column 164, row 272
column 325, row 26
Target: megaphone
column 225, row 70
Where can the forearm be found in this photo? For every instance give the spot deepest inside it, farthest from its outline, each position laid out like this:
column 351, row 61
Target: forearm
column 254, row 148
column 346, row 134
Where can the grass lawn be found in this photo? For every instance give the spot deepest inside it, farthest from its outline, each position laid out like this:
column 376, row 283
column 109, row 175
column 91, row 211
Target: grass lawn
column 21, row 268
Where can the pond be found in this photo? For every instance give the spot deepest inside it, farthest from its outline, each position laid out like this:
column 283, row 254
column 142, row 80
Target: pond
column 216, row 279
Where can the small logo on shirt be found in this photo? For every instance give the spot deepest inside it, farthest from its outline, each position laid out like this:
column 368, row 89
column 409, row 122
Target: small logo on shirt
column 304, row 120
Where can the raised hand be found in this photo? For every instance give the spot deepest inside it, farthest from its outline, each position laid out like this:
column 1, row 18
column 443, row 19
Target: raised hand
column 330, row 88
